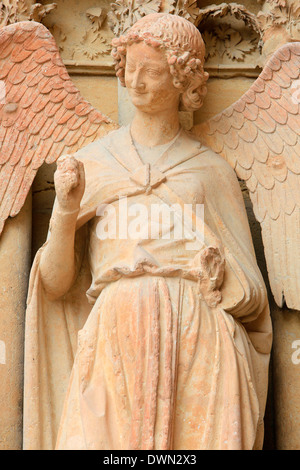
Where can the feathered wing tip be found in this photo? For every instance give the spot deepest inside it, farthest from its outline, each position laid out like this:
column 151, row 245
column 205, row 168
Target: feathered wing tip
column 259, row 136
column 42, row 113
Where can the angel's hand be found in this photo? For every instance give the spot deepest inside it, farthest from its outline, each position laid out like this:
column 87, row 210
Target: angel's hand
column 212, row 267
column 212, row 264
column 69, row 182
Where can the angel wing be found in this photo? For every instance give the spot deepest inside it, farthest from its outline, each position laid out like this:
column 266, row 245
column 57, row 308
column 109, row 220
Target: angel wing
column 42, row 114
column 259, row 137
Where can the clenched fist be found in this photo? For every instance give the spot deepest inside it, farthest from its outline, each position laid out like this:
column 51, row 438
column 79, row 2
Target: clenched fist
column 211, row 262
column 69, row 183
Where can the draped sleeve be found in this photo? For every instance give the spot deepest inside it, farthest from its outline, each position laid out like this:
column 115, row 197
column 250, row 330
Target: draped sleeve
column 244, row 292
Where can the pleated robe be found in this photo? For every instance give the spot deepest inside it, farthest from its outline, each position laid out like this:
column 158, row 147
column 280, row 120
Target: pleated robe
column 137, row 355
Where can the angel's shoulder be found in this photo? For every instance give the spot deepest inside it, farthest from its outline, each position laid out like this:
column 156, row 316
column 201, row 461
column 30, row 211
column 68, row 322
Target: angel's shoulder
column 97, row 151
column 215, row 161
column 212, row 161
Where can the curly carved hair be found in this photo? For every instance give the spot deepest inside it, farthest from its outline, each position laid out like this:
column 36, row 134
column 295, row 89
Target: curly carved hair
column 184, row 49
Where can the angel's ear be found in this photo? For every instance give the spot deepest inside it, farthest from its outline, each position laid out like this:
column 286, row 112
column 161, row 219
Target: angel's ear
column 193, row 95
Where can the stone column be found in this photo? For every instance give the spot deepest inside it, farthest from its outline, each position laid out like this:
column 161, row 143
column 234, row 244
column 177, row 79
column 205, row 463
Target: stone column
column 286, row 377
column 15, row 259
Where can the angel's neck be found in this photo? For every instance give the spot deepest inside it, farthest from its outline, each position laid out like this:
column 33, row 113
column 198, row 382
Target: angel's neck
column 155, row 129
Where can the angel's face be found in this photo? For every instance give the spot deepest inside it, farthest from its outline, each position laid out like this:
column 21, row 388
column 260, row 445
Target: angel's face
column 148, row 79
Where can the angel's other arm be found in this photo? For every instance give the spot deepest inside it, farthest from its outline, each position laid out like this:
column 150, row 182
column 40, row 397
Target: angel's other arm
column 58, row 259
column 243, row 290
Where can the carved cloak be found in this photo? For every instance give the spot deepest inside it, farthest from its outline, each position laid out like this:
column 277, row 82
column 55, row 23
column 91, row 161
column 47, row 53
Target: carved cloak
column 243, row 329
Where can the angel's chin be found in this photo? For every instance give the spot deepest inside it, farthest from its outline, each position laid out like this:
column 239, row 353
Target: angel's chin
column 139, row 100
column 144, row 105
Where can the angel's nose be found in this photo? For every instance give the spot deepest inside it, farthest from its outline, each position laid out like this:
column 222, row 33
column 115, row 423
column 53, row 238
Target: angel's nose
column 137, row 81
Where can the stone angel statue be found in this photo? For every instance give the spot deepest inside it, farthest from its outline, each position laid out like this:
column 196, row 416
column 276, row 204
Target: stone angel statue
column 146, row 341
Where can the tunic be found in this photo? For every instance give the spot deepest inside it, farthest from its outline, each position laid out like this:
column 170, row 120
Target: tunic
column 164, row 357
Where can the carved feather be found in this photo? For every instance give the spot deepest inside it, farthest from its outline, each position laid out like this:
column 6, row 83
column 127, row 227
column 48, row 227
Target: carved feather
column 262, row 144
column 42, row 115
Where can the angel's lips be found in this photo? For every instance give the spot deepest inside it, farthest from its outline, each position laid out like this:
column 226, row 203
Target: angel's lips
column 138, row 92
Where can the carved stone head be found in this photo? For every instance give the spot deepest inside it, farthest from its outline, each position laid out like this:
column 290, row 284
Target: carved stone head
column 184, row 50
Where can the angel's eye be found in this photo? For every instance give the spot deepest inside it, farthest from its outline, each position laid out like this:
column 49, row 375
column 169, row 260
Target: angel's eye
column 153, row 72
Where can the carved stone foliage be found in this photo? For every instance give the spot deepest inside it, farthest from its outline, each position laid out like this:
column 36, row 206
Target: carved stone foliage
column 226, row 41
column 235, row 10
column 94, row 44
column 233, row 34
column 12, row 11
column 124, row 13
column 281, row 14
column 187, row 8
column 97, row 17
column 82, row 33
column 223, row 41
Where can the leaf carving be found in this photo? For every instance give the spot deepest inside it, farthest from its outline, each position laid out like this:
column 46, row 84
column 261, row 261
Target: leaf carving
column 281, row 13
column 13, row 11
column 188, row 9
column 224, row 40
column 97, row 16
column 240, row 12
column 94, row 45
column 124, row 13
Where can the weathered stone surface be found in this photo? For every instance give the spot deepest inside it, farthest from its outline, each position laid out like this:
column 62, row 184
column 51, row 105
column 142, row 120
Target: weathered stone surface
column 239, row 61
column 15, row 261
column 174, row 349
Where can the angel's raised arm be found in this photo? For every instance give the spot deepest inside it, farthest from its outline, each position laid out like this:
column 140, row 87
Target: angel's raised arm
column 58, row 259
